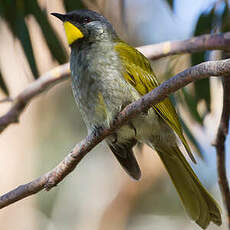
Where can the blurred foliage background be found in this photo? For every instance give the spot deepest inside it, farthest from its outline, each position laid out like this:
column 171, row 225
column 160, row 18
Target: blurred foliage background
column 99, row 195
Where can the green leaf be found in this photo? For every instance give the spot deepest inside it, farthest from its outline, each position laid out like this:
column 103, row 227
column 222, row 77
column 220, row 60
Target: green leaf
column 192, row 106
column 202, row 88
column 187, row 131
column 225, row 19
column 202, row 92
column 3, row 85
column 204, row 26
column 205, row 23
column 72, row 5
column 192, row 139
column 54, row 44
column 197, row 58
column 22, row 33
column 14, row 13
column 170, row 3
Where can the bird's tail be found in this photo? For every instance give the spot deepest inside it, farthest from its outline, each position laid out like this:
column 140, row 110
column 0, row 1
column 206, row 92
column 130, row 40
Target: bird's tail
column 199, row 204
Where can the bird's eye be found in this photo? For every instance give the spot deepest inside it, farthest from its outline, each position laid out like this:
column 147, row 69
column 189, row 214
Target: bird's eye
column 87, row 20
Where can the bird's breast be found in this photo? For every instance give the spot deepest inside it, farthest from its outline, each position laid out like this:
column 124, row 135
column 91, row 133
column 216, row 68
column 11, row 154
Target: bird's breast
column 101, row 92
column 98, row 85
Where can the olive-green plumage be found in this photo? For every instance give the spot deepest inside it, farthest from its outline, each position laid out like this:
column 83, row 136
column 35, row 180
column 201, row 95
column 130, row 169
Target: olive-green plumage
column 108, row 74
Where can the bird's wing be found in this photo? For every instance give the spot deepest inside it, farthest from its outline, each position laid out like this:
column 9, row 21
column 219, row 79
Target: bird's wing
column 139, row 74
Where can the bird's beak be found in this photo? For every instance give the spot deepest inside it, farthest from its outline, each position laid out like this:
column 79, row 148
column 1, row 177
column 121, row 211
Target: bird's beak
column 73, row 33
column 62, row 17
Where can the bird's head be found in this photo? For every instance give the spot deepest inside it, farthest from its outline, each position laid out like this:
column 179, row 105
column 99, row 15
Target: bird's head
column 85, row 25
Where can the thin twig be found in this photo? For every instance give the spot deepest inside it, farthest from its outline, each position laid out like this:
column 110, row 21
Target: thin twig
column 56, row 175
column 7, row 99
column 36, row 87
column 200, row 43
column 220, row 147
column 192, row 45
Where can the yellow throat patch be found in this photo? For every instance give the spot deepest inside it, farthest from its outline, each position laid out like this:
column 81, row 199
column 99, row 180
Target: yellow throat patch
column 72, row 32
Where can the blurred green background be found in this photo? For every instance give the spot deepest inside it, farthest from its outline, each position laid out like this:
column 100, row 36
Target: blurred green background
column 98, row 194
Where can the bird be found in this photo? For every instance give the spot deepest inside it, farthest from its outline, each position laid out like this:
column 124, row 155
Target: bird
column 108, row 74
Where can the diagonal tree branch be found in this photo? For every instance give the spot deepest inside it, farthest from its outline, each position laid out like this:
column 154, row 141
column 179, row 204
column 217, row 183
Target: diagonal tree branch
column 51, row 78
column 220, row 147
column 192, row 45
column 46, row 81
column 56, row 175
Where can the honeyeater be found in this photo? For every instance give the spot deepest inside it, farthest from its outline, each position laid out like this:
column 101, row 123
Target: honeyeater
column 108, row 74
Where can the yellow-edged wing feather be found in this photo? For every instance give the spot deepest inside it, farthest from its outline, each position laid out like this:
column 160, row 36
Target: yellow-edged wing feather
column 139, row 74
